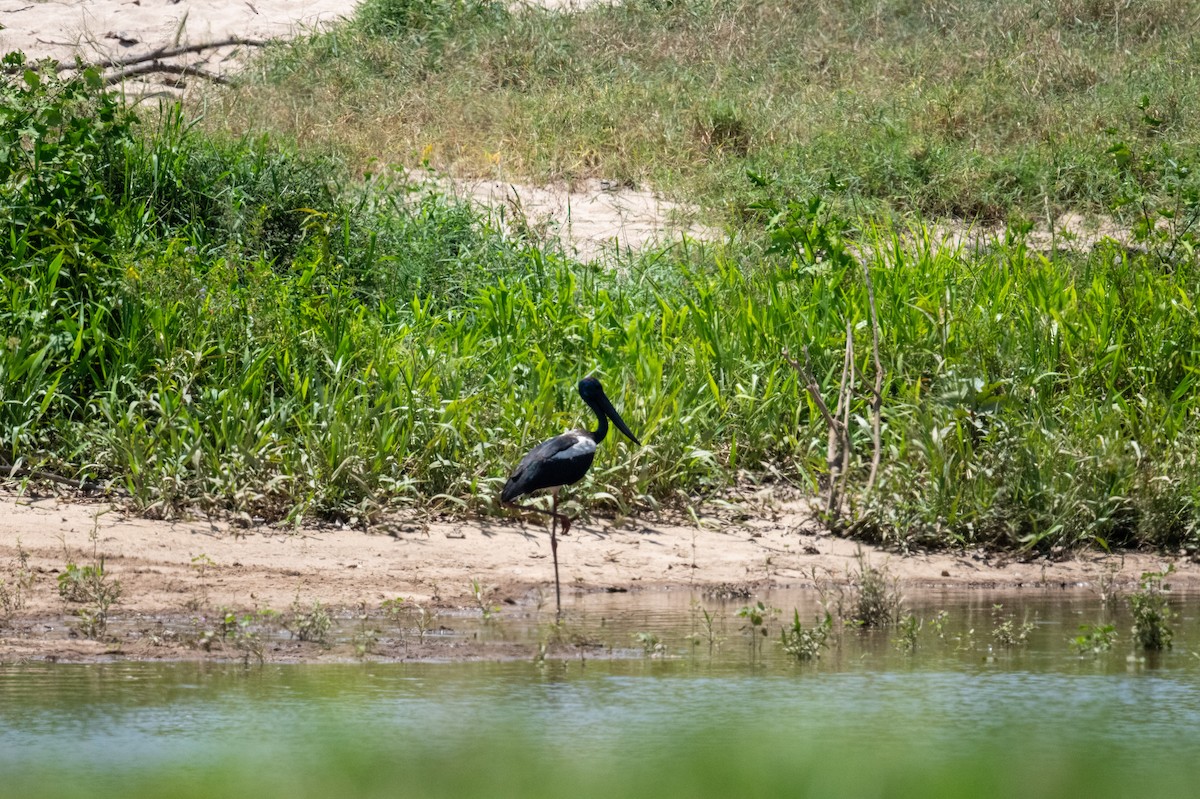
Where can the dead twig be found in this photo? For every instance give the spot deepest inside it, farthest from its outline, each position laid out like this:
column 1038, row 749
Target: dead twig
column 810, row 383
column 839, row 446
column 837, row 456
column 172, row 52
column 13, row 470
column 877, row 395
column 171, row 69
column 845, row 394
column 155, row 58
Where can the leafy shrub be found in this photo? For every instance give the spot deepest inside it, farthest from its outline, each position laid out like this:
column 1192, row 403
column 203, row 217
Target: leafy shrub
column 1160, row 191
column 62, row 144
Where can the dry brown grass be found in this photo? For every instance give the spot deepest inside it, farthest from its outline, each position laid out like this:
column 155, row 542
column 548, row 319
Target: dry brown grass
column 946, row 108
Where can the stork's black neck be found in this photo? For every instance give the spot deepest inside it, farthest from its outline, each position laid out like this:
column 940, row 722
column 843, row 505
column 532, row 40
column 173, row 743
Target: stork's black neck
column 602, row 429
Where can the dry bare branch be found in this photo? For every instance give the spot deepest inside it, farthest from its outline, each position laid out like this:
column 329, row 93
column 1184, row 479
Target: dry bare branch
column 156, row 55
column 810, row 383
column 877, row 396
column 172, row 52
column 171, row 69
column 839, row 446
column 11, row 471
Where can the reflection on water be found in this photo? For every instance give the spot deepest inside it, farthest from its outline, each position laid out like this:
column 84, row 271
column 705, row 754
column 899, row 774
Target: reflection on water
column 958, row 684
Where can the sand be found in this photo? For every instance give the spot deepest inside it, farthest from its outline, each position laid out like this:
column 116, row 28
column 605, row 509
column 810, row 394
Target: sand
column 177, row 572
column 102, row 29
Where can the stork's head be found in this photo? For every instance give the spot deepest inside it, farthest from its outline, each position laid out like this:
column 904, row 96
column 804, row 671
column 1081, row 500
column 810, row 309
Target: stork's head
column 593, row 394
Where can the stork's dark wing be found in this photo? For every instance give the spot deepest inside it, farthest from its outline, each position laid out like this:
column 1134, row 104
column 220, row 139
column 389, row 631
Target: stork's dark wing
column 558, row 462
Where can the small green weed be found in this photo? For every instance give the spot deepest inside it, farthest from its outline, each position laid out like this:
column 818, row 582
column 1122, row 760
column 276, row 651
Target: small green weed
column 908, row 628
column 75, row 582
column 91, row 586
column 396, row 612
column 756, row 616
column 805, row 643
column 1008, row 632
column 312, row 624
column 366, row 636
column 1094, row 639
column 202, row 565
column 393, row 608
column 15, row 583
column 245, row 633
column 966, row 641
column 651, row 644
column 707, row 633
column 877, row 599
column 483, row 599
column 1152, row 615
column 938, row 624
column 402, row 612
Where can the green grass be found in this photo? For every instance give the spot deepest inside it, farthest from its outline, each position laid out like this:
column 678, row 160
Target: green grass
column 231, row 325
column 970, row 109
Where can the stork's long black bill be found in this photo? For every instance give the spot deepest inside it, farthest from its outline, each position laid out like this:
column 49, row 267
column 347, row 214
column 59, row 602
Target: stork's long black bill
column 611, row 413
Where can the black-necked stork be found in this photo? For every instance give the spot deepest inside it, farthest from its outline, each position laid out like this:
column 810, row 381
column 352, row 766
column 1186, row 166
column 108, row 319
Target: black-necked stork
column 561, row 461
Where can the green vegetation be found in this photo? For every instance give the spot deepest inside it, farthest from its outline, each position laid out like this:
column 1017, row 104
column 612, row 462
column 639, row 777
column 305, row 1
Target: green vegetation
column 313, row 625
column 876, row 593
column 484, row 597
column 91, row 587
column 968, row 109
column 707, row 632
column 1007, row 632
column 1152, row 614
column 908, row 630
column 805, row 643
column 16, row 580
column 75, row 582
column 404, row 612
column 1094, row 639
column 243, row 633
column 233, row 325
column 650, row 644
column 756, row 617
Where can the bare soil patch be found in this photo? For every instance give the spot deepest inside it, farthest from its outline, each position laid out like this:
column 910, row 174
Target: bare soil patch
column 173, row 572
column 591, row 219
column 96, row 30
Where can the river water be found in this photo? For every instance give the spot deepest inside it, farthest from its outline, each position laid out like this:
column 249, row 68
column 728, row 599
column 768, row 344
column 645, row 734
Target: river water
column 991, row 696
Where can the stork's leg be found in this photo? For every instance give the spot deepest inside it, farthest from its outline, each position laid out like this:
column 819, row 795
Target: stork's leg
column 554, row 517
